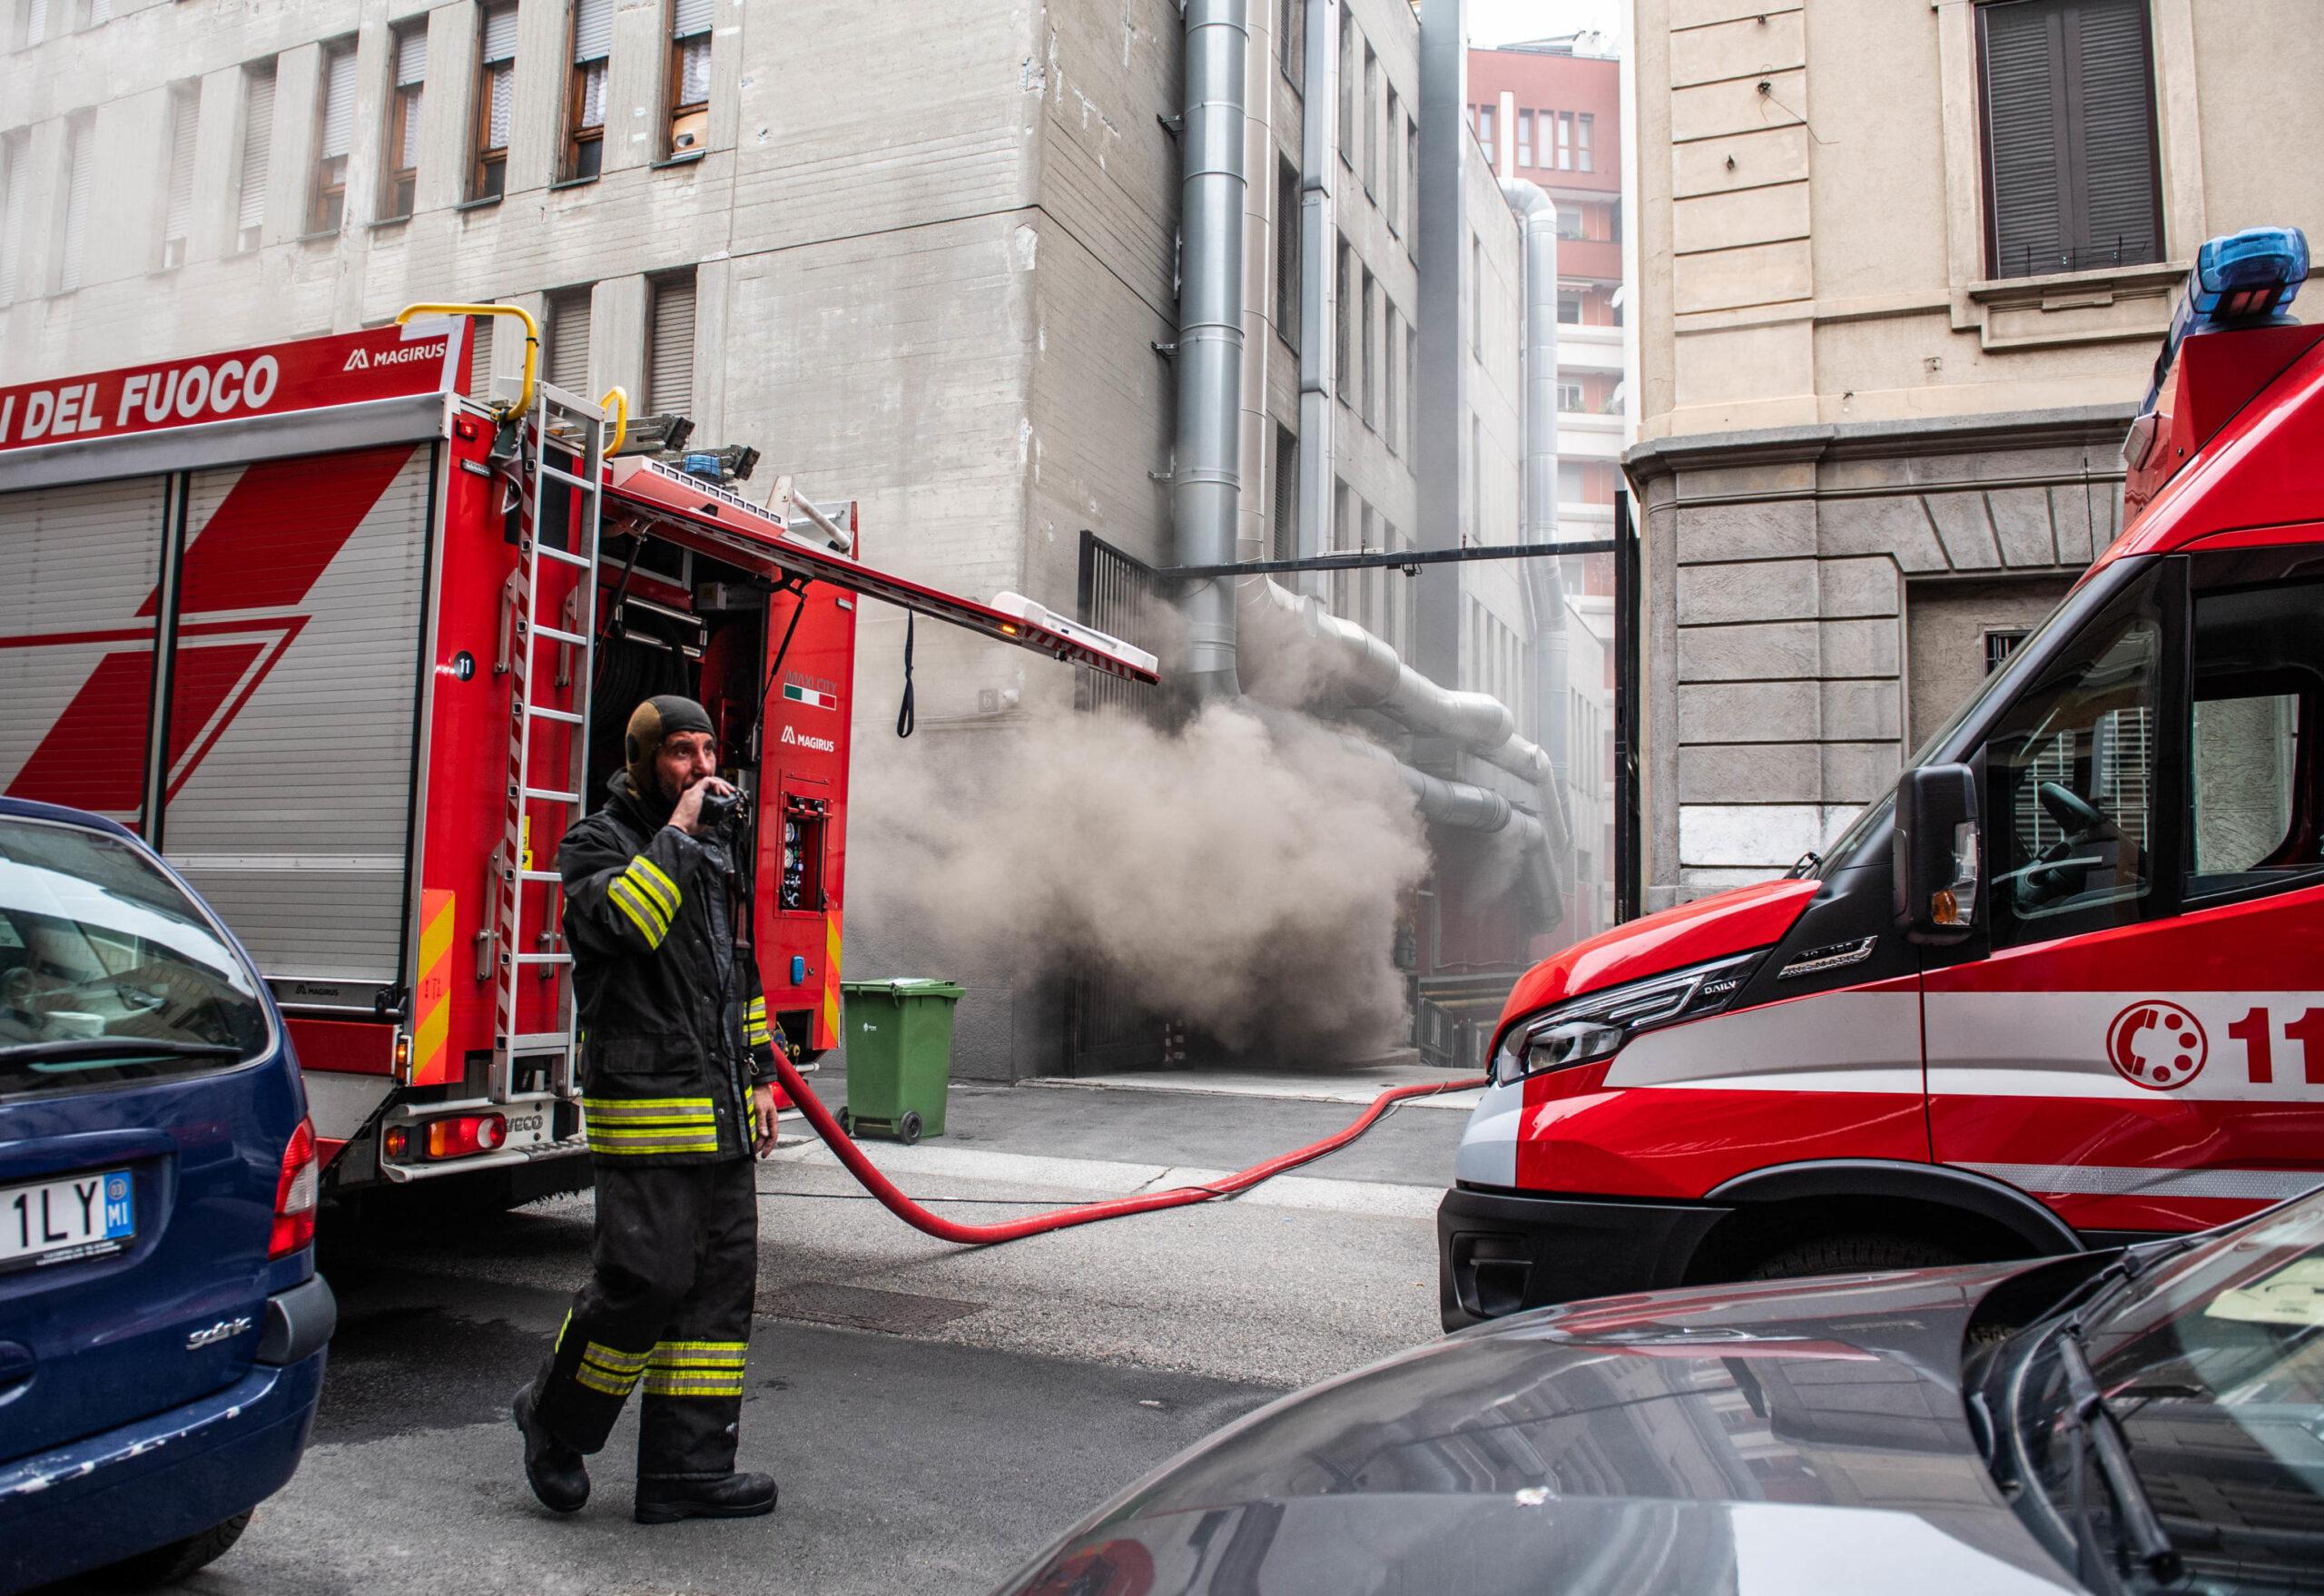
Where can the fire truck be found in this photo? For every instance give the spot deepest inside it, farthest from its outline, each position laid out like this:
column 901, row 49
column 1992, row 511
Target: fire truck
column 2063, row 988
column 353, row 649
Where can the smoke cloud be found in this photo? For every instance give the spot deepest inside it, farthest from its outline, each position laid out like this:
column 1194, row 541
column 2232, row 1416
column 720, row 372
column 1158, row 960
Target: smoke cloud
column 1241, row 876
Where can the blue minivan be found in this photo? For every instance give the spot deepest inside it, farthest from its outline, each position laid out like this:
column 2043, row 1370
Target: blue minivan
column 162, row 1325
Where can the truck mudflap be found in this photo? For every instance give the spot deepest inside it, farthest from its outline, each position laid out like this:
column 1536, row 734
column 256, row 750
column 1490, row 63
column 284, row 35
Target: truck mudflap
column 1500, row 1252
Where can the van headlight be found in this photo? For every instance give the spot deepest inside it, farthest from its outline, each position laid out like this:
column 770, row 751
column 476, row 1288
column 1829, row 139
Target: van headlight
column 1595, row 1025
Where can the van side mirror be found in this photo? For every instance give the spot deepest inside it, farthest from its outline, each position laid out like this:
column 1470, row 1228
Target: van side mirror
column 1938, row 861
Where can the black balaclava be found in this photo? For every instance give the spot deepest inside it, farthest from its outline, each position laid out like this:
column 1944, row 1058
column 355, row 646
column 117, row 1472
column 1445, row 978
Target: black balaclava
column 659, row 717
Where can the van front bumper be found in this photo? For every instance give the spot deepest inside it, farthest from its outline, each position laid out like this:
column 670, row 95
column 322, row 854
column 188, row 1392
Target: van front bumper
column 171, row 1474
column 1499, row 1252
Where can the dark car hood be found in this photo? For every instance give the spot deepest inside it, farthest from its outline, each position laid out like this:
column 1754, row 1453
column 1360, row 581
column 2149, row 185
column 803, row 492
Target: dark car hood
column 1798, row 1437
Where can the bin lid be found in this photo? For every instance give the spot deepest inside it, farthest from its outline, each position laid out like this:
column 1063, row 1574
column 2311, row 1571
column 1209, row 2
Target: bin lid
column 910, row 986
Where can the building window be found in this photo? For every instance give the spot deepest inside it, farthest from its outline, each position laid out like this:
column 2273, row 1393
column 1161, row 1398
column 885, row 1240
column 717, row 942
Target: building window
column 1396, row 163
column 1371, row 121
column 495, row 101
column 567, row 355
column 669, row 347
column 36, row 22
column 409, row 48
column 258, row 155
column 1524, row 138
column 1344, row 376
column 689, row 75
column 1585, row 158
column 584, row 109
column 480, row 359
column 1569, row 396
column 1291, row 41
column 1568, row 307
column 1411, row 184
column 1388, row 352
column 328, row 206
column 1348, row 87
column 1339, row 546
column 177, row 213
column 1484, row 130
column 80, row 183
column 1565, row 140
column 1283, row 533
column 1411, row 378
column 1477, row 478
column 2000, row 644
column 1476, row 297
column 2068, row 130
column 1573, row 483
column 12, row 185
column 1287, row 224
column 1370, row 416
column 1570, row 222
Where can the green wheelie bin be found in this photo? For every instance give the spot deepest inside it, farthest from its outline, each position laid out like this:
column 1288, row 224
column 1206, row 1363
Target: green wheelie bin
column 899, row 1057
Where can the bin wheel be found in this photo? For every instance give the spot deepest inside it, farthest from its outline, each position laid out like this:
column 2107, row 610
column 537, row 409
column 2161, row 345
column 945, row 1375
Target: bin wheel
column 907, row 1128
column 846, row 1124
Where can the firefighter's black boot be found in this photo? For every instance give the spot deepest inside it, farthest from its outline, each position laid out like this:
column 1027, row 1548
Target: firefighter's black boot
column 554, row 1471
column 735, row 1496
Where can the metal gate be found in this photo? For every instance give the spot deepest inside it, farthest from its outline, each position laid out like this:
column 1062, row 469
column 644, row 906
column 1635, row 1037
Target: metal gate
column 1105, row 1028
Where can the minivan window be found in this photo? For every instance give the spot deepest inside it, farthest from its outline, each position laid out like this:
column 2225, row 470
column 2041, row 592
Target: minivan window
column 109, row 973
column 2070, row 777
column 2259, row 685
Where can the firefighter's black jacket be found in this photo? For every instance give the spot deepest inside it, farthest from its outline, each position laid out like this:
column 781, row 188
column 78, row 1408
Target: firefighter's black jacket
column 673, row 1020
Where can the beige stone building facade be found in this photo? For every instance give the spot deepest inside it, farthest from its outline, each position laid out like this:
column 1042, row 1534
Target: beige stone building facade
column 1905, row 270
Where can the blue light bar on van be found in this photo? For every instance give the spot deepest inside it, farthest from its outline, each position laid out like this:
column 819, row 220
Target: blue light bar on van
column 2255, row 272
column 2239, row 279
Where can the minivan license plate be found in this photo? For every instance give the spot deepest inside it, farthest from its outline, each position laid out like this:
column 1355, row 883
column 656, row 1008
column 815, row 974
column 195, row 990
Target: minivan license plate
column 79, row 1217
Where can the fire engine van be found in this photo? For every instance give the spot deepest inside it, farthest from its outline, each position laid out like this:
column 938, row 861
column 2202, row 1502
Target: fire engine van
column 2063, row 988
column 354, row 649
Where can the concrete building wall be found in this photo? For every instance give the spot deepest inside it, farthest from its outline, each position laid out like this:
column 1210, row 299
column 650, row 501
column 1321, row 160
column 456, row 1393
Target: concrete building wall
column 1852, row 415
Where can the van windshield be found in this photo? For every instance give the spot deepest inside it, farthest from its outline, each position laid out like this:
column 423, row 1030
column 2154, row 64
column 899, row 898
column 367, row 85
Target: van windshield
column 109, row 973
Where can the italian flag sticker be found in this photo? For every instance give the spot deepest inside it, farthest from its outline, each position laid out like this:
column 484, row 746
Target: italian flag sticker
column 799, row 695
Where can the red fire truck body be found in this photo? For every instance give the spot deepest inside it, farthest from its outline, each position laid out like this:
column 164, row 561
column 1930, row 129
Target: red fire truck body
column 353, row 649
column 2065, row 987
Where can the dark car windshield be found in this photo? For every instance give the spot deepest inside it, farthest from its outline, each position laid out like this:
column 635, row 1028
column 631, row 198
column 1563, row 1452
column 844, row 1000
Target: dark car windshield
column 2214, row 1367
column 108, row 971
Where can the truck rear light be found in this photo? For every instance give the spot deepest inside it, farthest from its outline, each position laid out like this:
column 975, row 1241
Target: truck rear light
column 297, row 1191
column 463, row 1134
column 397, row 1139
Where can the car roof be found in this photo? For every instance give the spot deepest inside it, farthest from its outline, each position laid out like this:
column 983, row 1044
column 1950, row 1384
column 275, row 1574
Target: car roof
column 30, row 809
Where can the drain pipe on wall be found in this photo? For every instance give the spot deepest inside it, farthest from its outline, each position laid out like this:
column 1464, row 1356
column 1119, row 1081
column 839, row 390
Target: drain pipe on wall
column 1261, row 238
column 1537, row 217
column 1319, row 165
column 1205, row 478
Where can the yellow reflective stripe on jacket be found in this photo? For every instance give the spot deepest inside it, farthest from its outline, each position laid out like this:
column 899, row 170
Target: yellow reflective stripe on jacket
column 663, row 890
column 755, row 1008
column 644, row 913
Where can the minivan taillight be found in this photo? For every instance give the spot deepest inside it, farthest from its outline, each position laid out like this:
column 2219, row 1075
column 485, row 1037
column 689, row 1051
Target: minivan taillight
column 296, row 1193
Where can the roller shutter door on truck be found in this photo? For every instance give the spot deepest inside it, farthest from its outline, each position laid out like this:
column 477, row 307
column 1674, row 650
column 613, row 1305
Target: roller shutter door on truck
column 79, row 570
column 294, row 695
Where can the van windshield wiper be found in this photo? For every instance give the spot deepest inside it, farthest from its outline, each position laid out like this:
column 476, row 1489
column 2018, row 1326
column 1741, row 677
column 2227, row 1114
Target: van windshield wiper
column 90, row 1051
column 2097, row 1431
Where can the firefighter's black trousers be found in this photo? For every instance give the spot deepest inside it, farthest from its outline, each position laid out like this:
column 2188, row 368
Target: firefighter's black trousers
column 668, row 1307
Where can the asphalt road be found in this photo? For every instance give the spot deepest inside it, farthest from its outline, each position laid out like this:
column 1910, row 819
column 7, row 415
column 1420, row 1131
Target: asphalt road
column 934, row 1415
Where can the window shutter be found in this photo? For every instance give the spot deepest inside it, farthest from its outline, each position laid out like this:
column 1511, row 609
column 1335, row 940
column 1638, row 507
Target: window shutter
column 669, row 373
column 592, row 30
column 100, row 11
column 499, row 35
column 79, row 183
column 480, row 361
column 568, row 340
column 1284, row 536
column 2069, row 135
column 338, row 103
column 258, row 148
column 179, row 221
column 411, row 57
column 504, row 96
column 12, row 214
column 689, row 17
column 36, row 22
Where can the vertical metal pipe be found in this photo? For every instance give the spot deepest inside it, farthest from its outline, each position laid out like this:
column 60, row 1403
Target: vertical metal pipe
column 1318, row 284
column 1261, row 238
column 1205, row 476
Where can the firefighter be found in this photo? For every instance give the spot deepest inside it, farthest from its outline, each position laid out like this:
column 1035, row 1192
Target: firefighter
column 676, row 1067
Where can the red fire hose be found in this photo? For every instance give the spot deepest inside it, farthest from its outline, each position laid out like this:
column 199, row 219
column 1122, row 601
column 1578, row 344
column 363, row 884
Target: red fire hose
column 944, row 1230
